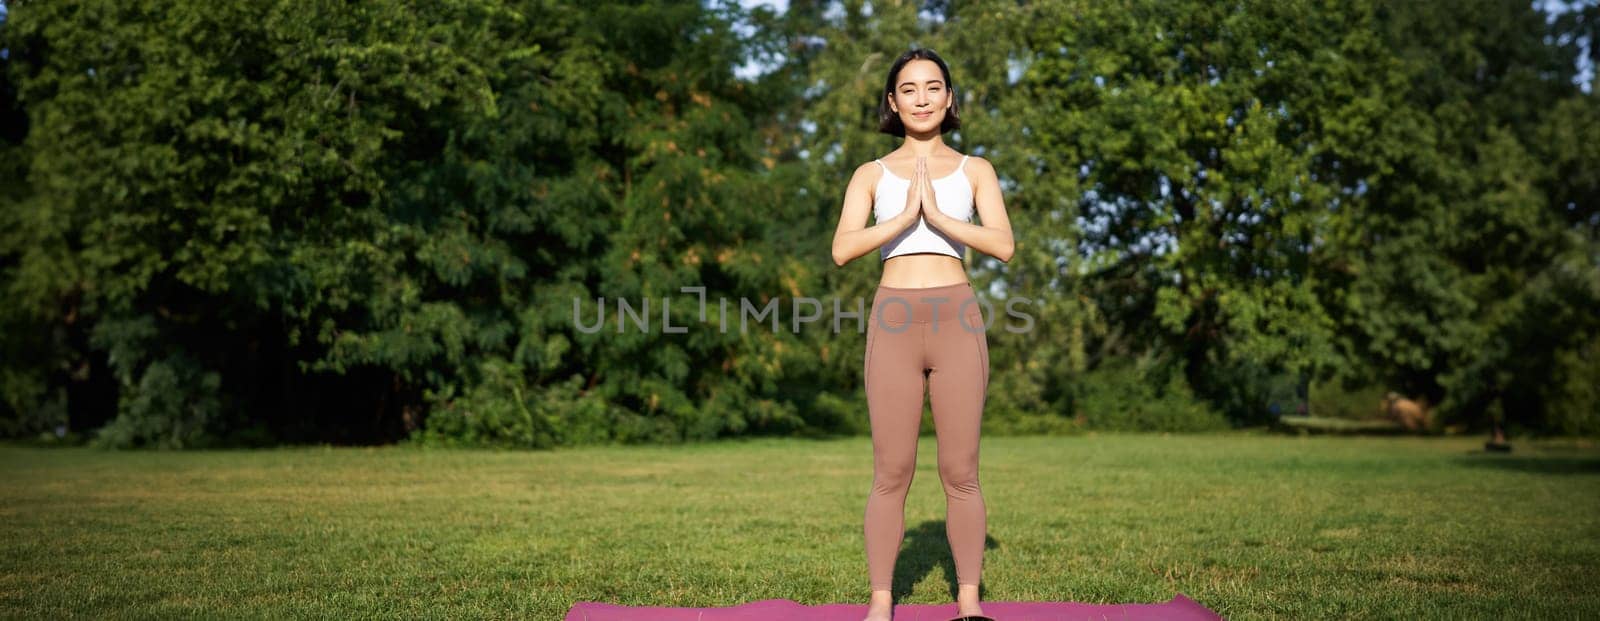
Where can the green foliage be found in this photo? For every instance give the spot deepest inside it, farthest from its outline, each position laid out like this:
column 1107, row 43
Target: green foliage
column 220, row 220
column 502, row 410
column 1572, row 401
column 173, row 405
column 1181, row 197
column 394, row 188
column 1449, row 258
column 1285, row 187
column 1142, row 395
column 1335, row 400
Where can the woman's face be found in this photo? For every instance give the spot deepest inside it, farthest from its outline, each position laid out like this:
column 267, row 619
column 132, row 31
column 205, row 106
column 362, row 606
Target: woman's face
column 920, row 97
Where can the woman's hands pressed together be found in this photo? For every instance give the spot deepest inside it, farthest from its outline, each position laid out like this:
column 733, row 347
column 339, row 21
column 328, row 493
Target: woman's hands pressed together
column 921, row 200
column 930, row 201
column 914, row 199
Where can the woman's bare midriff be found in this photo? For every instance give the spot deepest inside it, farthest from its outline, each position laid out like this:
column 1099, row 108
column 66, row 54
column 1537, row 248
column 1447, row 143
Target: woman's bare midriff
column 922, row 269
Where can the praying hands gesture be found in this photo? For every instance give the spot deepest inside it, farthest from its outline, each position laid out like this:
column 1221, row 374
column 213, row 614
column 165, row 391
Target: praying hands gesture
column 914, row 198
column 922, row 187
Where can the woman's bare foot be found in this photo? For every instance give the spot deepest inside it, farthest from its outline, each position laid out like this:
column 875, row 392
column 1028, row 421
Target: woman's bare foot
column 967, row 600
column 882, row 606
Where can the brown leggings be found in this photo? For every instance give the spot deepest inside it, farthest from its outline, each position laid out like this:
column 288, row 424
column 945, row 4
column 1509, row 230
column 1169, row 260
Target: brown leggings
column 933, row 338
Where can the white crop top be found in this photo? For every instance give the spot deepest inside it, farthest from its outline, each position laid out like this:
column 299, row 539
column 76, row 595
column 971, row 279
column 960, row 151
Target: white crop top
column 953, row 193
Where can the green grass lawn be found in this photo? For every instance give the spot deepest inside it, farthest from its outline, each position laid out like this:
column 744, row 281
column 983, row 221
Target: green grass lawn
column 1249, row 525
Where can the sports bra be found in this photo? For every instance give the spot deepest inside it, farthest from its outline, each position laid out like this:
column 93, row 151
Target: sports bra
column 953, row 193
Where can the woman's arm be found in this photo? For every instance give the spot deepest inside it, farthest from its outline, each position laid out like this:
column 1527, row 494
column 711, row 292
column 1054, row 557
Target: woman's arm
column 853, row 237
column 993, row 237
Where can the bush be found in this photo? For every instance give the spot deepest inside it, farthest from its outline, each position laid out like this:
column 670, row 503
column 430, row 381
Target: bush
column 501, row 410
column 1333, row 398
column 174, row 405
column 1142, row 395
column 1573, row 403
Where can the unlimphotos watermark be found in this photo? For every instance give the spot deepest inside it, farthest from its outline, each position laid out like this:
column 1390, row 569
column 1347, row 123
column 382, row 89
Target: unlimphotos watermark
column 748, row 311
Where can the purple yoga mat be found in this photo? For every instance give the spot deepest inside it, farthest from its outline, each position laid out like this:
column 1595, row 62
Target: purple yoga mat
column 1179, row 609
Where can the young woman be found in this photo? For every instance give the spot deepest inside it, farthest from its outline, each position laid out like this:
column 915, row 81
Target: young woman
column 926, row 330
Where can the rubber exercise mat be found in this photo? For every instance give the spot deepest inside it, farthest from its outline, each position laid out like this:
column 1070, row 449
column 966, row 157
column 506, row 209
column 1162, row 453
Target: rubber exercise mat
column 1179, row 609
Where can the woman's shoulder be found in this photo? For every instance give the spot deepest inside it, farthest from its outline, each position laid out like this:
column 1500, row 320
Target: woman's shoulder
column 868, row 171
column 869, row 165
column 980, row 163
column 867, row 176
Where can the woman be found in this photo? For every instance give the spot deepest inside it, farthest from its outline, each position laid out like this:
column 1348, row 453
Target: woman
column 926, row 329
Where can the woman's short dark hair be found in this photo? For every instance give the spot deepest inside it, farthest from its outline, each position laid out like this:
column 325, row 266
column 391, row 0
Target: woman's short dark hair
column 889, row 120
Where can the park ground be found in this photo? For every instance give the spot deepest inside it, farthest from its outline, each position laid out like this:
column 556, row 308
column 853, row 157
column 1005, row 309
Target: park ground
column 1249, row 524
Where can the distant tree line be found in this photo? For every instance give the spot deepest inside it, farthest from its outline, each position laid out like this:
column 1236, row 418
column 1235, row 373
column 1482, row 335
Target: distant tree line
column 237, row 223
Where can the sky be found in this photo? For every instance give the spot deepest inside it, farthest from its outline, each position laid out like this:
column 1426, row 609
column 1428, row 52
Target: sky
column 1585, row 77
column 754, row 67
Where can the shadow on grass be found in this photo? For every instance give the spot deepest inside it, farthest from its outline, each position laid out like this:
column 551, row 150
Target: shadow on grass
column 926, row 546
column 1536, row 465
